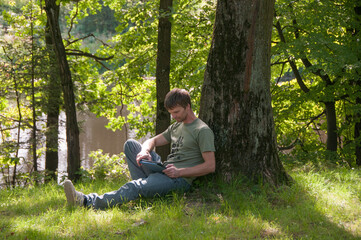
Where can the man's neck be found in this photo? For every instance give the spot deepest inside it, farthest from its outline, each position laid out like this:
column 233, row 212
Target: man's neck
column 190, row 118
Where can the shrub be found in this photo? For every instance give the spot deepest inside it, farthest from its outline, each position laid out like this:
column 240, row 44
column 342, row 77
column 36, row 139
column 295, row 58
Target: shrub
column 106, row 167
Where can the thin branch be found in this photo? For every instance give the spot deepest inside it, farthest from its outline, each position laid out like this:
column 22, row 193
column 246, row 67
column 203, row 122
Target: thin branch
column 85, row 37
column 74, row 52
column 72, row 19
column 291, row 62
column 289, row 147
column 297, row 140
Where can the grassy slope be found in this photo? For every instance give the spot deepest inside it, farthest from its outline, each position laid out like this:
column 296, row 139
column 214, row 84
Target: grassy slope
column 321, row 204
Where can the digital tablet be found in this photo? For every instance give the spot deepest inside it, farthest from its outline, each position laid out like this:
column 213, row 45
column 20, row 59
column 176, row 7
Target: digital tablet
column 152, row 166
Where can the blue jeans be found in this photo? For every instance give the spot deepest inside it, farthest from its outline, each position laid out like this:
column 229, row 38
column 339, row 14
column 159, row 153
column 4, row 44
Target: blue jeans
column 144, row 183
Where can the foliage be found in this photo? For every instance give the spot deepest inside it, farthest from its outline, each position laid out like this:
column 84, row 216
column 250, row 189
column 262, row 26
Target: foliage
column 123, row 88
column 321, row 204
column 22, row 61
column 130, row 81
column 320, row 38
column 108, row 168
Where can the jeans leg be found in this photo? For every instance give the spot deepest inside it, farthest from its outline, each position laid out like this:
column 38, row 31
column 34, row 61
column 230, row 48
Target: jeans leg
column 131, row 150
column 156, row 184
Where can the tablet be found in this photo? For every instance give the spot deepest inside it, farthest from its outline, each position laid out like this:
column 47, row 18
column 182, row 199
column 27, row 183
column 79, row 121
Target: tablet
column 152, row 166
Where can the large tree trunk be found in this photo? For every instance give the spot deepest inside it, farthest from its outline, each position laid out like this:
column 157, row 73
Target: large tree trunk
column 53, row 106
column 236, row 98
column 72, row 130
column 162, row 71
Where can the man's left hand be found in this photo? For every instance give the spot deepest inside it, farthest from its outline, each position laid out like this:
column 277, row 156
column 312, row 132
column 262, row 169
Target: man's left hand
column 171, row 171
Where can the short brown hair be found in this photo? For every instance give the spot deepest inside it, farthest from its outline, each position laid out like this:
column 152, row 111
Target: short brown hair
column 176, row 97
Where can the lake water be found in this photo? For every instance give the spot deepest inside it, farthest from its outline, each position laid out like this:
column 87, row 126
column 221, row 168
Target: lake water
column 93, row 136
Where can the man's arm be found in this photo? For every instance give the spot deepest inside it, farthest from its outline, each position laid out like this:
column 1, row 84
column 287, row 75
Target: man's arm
column 149, row 145
column 208, row 166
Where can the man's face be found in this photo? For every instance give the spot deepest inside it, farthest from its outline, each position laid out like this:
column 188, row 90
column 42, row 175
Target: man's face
column 178, row 113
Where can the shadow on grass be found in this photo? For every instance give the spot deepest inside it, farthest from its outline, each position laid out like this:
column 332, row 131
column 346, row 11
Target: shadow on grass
column 288, row 212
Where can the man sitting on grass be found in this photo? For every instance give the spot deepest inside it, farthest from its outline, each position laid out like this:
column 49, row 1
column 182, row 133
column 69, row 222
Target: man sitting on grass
column 192, row 155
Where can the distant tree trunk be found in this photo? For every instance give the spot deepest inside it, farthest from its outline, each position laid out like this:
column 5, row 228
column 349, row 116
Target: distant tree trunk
column 20, row 121
column 162, row 71
column 236, row 98
column 72, row 130
column 357, row 130
column 34, row 130
column 53, row 106
column 331, row 142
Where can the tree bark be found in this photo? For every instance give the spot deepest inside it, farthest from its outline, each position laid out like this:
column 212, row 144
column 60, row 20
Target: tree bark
column 236, row 98
column 331, row 142
column 34, row 129
column 53, row 107
column 72, row 130
column 162, row 71
column 357, row 129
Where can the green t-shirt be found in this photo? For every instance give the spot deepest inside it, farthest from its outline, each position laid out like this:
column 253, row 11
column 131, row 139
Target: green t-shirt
column 188, row 142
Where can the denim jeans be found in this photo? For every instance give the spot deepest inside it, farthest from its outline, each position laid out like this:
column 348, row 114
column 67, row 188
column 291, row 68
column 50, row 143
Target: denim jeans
column 144, row 183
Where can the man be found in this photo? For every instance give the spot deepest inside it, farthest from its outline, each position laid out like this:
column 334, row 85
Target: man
column 192, row 155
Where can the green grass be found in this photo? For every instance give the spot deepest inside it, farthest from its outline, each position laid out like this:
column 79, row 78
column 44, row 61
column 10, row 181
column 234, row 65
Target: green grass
column 321, row 204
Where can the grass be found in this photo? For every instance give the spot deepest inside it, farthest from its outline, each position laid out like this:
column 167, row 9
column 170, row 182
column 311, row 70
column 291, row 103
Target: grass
column 321, row 204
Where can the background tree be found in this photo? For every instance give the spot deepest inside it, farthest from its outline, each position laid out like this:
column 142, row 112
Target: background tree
column 162, row 71
column 72, row 130
column 54, row 101
column 134, row 48
column 236, row 99
column 22, row 63
column 356, row 31
column 313, row 45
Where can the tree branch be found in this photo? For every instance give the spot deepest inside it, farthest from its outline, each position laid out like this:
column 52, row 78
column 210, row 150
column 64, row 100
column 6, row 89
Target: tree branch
column 72, row 19
column 297, row 140
column 75, row 52
column 291, row 62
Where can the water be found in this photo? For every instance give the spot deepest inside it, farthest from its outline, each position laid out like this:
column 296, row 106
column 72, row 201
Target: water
column 93, row 136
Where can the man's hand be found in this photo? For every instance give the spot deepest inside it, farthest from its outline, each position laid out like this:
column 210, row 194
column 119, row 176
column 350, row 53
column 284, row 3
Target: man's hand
column 143, row 155
column 149, row 145
column 202, row 169
column 171, row 171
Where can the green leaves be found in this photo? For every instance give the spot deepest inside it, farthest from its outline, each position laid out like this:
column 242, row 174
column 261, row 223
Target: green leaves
column 318, row 37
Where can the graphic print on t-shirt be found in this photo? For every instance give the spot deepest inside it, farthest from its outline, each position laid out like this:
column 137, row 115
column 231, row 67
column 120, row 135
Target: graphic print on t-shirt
column 175, row 148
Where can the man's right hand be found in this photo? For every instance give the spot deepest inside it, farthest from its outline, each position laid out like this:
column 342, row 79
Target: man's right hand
column 143, row 155
column 149, row 145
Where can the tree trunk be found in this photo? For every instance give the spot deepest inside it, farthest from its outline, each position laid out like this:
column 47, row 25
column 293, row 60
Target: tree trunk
column 331, row 126
column 236, row 98
column 72, row 130
column 53, row 106
column 34, row 130
column 357, row 130
column 162, row 71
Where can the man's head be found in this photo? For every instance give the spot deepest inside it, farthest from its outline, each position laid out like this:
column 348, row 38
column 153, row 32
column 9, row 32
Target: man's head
column 177, row 97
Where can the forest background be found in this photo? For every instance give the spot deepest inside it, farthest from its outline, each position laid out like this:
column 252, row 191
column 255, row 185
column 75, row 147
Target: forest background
column 111, row 47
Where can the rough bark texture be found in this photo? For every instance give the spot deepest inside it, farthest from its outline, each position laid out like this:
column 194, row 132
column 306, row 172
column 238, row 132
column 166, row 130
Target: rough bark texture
column 162, row 71
column 236, row 98
column 53, row 106
column 72, row 130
